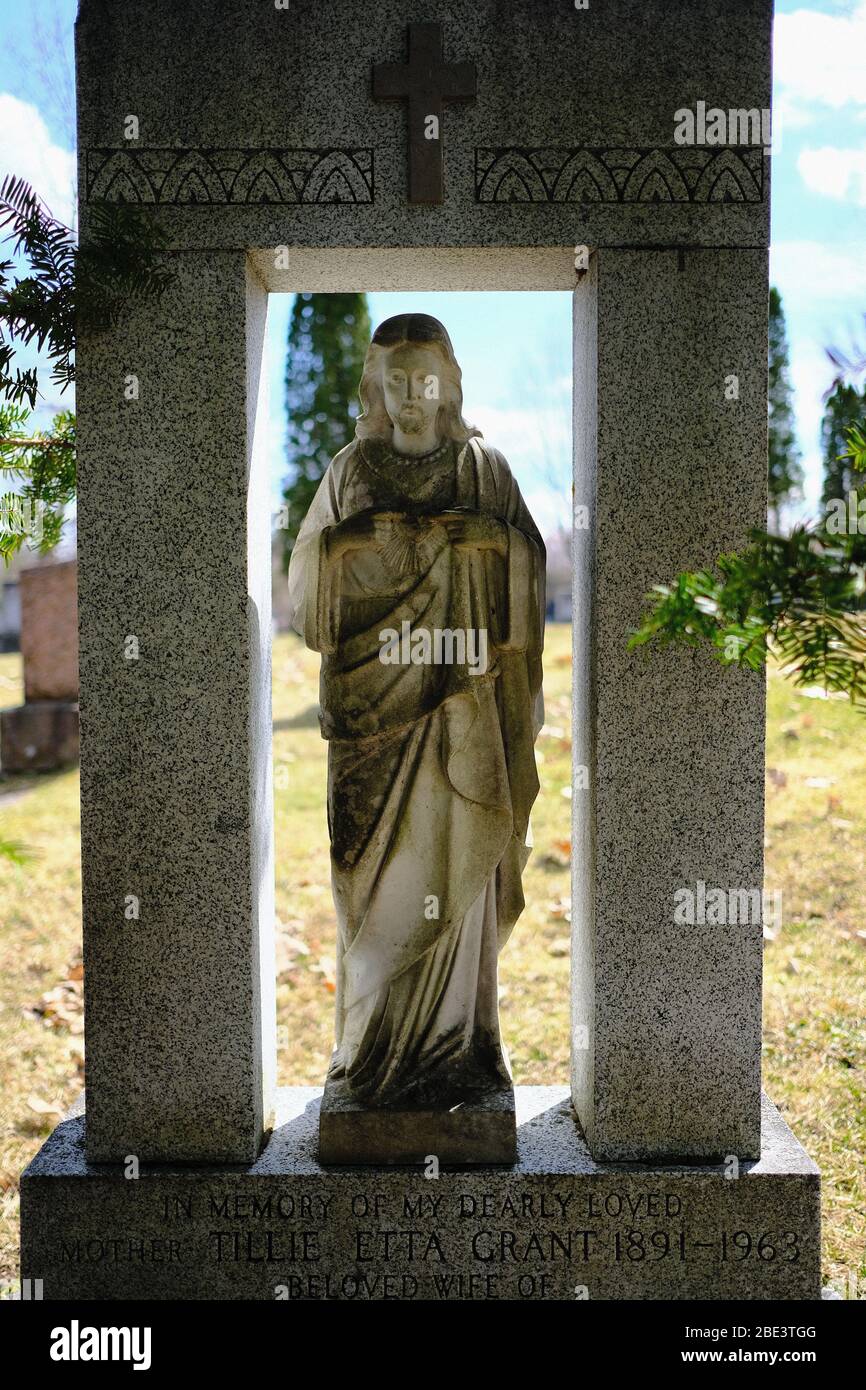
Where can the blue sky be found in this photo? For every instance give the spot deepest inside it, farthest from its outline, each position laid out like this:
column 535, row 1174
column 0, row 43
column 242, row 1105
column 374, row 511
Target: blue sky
column 818, row 256
column 515, row 355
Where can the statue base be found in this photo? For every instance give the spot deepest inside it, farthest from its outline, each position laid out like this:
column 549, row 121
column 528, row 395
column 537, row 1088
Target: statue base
column 480, row 1129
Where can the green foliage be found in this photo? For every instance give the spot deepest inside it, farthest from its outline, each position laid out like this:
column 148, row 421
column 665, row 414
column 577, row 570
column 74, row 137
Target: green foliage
column 784, row 472
column 798, row 593
column 44, row 468
column 328, row 339
column 856, row 440
column 40, row 306
column 67, row 289
column 16, row 852
column 844, row 408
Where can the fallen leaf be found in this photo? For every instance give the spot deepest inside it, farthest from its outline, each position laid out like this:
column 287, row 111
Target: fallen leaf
column 326, row 966
column 553, row 861
column 42, row 1107
column 560, row 907
column 288, row 949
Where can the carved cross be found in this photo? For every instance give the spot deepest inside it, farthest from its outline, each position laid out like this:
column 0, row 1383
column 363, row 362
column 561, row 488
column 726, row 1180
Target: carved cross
column 427, row 81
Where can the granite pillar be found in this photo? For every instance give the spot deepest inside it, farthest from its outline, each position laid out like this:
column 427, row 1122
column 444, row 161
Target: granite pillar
column 670, row 459
column 174, row 582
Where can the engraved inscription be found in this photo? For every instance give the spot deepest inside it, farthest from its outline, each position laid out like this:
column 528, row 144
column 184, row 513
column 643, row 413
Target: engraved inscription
column 523, row 1242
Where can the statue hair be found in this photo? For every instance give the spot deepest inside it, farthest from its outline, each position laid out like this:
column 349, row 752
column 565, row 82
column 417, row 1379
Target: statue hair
column 422, row 329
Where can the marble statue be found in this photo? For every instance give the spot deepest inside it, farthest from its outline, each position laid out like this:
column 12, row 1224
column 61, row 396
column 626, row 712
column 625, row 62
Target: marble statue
column 418, row 574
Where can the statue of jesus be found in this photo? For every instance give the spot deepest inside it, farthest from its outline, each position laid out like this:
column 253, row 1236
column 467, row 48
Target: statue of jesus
column 418, row 574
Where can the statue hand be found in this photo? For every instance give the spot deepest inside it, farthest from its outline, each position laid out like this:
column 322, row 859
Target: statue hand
column 355, row 532
column 475, row 531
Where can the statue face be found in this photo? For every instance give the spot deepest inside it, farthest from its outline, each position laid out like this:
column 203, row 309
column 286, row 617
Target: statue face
column 412, row 386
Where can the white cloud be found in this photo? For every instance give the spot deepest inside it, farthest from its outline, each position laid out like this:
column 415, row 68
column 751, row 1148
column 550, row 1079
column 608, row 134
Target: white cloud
column 538, row 445
column 811, row 373
column 27, row 150
column 536, row 442
column 814, row 273
column 819, row 59
column 835, row 173
column 550, row 514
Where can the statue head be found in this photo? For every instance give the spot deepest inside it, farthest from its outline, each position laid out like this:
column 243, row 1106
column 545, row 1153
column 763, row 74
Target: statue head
column 411, row 379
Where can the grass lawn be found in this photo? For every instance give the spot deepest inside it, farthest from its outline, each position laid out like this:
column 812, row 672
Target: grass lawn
column 814, row 997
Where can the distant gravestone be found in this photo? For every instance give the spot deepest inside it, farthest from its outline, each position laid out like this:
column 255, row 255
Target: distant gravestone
column 49, row 631
column 271, row 145
column 42, row 734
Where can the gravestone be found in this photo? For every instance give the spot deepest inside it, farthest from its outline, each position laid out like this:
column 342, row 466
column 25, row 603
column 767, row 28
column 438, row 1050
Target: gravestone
column 280, row 150
column 42, row 734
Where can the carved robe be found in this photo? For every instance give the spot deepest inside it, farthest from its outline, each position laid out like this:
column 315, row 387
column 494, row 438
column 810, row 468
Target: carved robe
column 431, row 768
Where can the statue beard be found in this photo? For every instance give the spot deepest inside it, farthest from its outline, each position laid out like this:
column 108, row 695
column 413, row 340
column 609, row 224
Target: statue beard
column 411, row 420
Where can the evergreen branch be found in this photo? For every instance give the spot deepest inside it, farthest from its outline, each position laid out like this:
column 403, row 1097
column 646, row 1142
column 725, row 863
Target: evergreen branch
column 69, row 288
column 41, row 442
column 798, row 594
column 48, row 470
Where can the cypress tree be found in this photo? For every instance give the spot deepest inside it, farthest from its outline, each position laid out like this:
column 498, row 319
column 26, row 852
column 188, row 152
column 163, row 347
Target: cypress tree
column 784, row 473
column 328, row 338
column 846, row 406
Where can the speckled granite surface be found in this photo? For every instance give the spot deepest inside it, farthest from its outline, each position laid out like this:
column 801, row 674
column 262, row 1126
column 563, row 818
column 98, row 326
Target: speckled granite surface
column 257, row 128
column 571, row 138
column 556, row 1225
column 672, row 474
column 174, row 552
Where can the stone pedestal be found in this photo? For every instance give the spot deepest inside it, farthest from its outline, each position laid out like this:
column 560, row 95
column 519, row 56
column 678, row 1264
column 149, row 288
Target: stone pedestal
column 479, row 1130
column 42, row 734
column 555, row 1225
column 39, row 737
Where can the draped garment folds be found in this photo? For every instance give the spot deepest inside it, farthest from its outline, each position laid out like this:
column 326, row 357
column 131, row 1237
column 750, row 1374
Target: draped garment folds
column 431, row 768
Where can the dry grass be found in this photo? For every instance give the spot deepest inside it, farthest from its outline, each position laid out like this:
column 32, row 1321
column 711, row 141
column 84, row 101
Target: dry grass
column 814, row 995
column 814, row 1000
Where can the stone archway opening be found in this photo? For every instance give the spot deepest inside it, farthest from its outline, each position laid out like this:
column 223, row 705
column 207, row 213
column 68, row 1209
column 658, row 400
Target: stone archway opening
column 536, row 379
